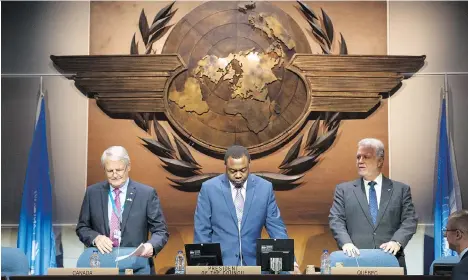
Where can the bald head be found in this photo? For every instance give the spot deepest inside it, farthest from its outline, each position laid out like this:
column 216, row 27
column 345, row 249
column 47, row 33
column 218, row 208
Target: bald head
column 457, row 231
column 459, row 220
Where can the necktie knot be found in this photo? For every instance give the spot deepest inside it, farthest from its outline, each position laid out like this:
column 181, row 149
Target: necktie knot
column 372, row 184
column 117, row 192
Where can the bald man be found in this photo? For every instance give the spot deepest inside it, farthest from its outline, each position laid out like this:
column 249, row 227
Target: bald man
column 457, row 237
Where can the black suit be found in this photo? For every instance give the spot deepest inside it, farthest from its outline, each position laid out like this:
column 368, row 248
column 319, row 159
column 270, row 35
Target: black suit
column 460, row 271
column 142, row 214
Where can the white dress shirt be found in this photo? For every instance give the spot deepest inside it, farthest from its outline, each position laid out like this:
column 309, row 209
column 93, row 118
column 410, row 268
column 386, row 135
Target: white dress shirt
column 378, row 188
column 234, row 190
column 122, row 196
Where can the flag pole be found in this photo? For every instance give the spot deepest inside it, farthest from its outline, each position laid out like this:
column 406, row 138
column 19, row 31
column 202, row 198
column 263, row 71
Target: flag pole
column 455, row 199
column 39, row 101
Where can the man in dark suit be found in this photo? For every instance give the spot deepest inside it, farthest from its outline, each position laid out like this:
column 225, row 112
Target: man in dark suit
column 372, row 211
column 233, row 208
column 457, row 238
column 121, row 211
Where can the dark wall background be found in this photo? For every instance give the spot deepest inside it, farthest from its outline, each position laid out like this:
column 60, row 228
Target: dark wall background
column 31, row 32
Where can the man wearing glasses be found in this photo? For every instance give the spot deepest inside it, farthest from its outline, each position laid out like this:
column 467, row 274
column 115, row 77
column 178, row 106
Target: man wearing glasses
column 457, row 237
column 104, row 218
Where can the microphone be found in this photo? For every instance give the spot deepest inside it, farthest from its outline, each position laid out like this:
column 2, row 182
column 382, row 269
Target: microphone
column 238, row 186
column 240, row 245
column 119, row 237
column 356, row 258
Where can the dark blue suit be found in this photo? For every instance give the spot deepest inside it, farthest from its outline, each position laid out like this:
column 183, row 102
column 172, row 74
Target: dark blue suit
column 460, row 271
column 216, row 220
column 142, row 214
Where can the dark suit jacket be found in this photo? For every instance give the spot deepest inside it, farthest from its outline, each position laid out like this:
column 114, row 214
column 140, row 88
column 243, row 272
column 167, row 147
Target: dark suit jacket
column 350, row 220
column 460, row 271
column 142, row 214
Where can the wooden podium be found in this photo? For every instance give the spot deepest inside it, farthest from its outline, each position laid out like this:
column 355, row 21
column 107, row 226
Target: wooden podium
column 83, row 271
column 224, row 270
column 367, row 271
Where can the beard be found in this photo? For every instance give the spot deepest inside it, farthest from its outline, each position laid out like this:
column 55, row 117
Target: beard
column 238, row 183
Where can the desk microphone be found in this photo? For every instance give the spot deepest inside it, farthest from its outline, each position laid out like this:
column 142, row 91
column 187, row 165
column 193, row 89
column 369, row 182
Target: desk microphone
column 240, row 244
column 118, row 250
column 356, row 258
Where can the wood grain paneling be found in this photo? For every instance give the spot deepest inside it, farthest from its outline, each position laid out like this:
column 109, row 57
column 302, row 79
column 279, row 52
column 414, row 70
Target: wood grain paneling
column 304, row 209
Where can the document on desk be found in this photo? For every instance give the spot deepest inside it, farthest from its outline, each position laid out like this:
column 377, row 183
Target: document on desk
column 137, row 252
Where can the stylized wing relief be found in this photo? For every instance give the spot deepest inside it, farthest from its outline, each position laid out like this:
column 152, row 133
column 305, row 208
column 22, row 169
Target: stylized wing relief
column 351, row 83
column 123, row 83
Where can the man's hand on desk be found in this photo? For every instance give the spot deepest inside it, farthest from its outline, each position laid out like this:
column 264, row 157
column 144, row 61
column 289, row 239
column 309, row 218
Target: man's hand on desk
column 148, row 252
column 103, row 243
column 350, row 250
column 391, row 247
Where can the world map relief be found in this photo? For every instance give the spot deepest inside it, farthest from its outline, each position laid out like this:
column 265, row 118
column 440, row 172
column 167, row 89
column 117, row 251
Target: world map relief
column 248, row 72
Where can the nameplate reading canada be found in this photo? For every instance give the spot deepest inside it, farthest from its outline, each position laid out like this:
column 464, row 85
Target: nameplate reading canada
column 367, row 271
column 83, row 271
column 223, row 270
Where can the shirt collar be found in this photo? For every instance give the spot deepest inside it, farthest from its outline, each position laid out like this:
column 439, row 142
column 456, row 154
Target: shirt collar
column 378, row 180
column 233, row 188
column 463, row 252
column 123, row 189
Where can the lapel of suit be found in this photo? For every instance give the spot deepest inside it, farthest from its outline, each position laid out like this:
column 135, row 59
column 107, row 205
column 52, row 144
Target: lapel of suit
column 226, row 189
column 105, row 207
column 131, row 191
column 386, row 194
column 250, row 195
column 464, row 256
column 360, row 193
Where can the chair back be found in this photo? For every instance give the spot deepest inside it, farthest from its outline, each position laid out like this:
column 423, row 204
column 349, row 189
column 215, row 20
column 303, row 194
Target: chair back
column 14, row 262
column 444, row 260
column 139, row 265
column 367, row 258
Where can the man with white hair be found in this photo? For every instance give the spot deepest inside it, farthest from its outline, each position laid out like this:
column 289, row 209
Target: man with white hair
column 457, row 238
column 121, row 211
column 373, row 211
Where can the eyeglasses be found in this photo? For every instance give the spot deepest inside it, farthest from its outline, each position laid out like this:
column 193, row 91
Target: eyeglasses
column 446, row 230
column 116, row 171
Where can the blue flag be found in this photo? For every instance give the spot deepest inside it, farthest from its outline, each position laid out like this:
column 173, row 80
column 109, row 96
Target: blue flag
column 447, row 197
column 35, row 234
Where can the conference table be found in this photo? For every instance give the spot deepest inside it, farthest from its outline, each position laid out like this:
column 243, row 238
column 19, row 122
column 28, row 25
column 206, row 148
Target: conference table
column 233, row 277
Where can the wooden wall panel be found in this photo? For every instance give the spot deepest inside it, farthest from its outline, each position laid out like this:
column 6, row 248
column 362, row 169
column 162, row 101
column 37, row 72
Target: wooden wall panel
column 304, row 209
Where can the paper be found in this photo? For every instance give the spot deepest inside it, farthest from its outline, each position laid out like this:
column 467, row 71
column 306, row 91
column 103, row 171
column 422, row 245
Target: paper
column 138, row 251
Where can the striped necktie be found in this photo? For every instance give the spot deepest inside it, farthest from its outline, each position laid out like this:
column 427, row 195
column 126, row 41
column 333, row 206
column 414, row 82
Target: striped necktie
column 239, row 203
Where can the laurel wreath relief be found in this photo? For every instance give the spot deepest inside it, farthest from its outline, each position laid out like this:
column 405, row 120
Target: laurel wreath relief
column 300, row 158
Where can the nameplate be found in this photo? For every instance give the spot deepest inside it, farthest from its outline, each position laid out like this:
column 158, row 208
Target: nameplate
column 367, row 271
column 223, row 270
column 83, row 271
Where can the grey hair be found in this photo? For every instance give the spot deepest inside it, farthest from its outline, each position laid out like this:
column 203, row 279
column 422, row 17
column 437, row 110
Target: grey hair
column 115, row 153
column 236, row 152
column 460, row 220
column 376, row 144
